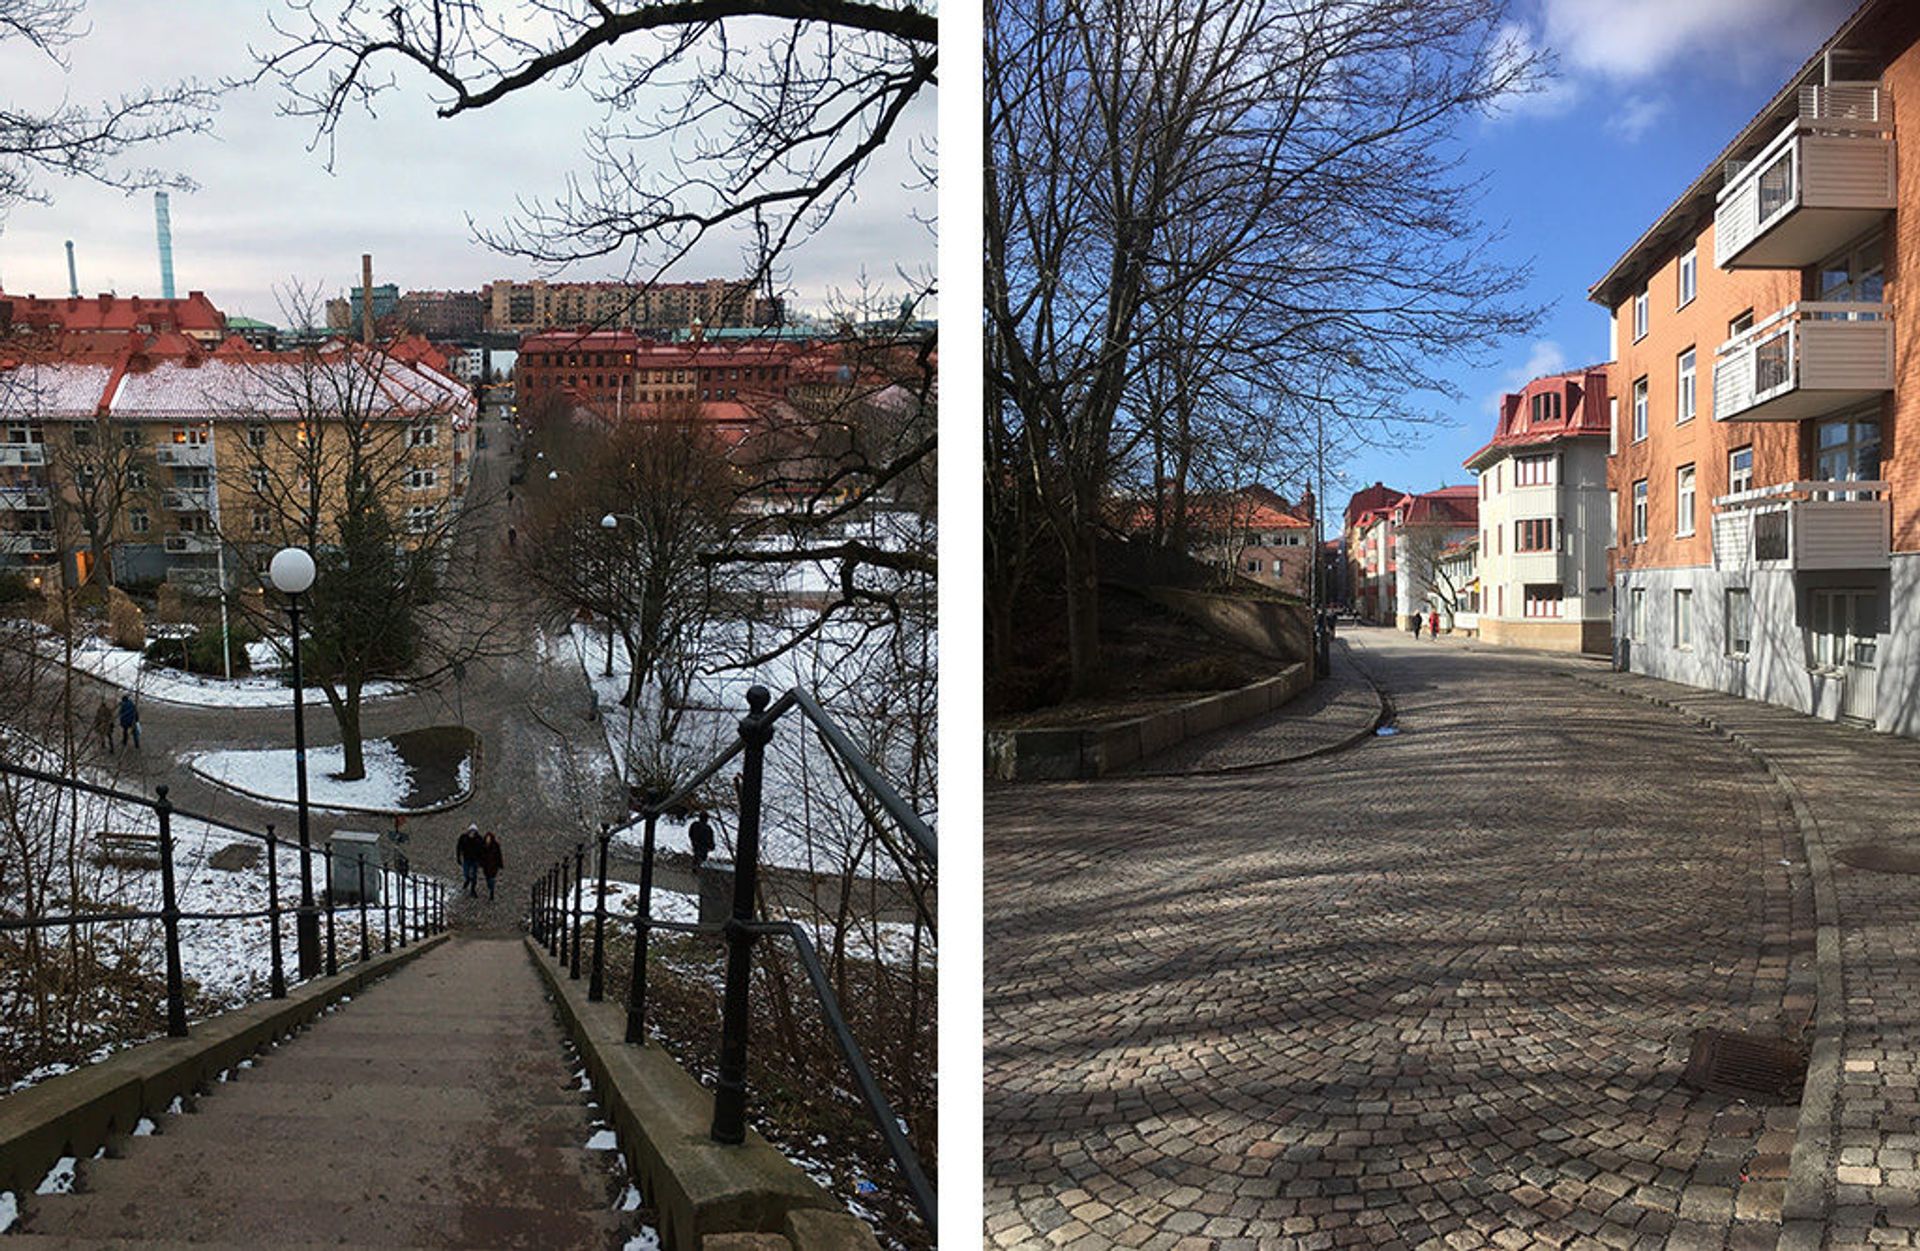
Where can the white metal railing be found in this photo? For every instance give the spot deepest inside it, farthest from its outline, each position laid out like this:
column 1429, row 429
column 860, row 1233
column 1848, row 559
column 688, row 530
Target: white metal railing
column 1825, row 489
column 30, row 497
column 18, row 542
column 23, row 454
column 184, row 454
column 192, row 542
column 1758, row 191
column 1845, row 106
column 1763, row 363
column 1804, row 525
column 186, row 499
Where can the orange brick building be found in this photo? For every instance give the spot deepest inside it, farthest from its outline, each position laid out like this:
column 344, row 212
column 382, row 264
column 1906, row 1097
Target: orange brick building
column 1761, row 358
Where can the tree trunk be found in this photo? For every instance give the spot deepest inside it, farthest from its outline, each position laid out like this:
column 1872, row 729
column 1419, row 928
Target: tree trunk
column 1083, row 612
column 347, row 713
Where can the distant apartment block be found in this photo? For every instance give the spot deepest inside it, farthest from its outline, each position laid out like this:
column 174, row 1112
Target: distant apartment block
column 1401, row 551
column 530, row 307
column 1545, row 522
column 1768, row 511
column 441, row 315
column 80, row 321
column 1252, row 533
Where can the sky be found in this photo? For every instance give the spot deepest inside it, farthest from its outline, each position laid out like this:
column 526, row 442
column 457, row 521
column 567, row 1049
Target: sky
column 403, row 187
column 1644, row 95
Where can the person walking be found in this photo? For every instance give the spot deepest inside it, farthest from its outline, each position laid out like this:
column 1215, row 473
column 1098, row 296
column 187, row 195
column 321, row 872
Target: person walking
column 129, row 721
column 468, row 851
column 1416, row 625
column 1433, row 624
column 700, row 834
column 103, row 724
column 491, row 860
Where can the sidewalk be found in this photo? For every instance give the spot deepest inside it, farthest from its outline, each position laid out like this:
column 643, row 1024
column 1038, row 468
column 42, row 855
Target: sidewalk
column 1855, row 1174
column 1327, row 715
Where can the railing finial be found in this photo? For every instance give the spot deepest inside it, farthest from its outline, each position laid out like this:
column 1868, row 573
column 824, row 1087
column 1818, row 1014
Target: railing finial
column 758, row 697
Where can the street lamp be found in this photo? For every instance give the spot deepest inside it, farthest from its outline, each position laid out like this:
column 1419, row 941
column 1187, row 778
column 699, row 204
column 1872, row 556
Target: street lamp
column 292, row 574
column 611, row 522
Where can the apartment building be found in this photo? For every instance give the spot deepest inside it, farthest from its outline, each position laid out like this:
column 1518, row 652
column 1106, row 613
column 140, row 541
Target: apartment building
column 1398, row 551
column 1368, row 563
column 1252, row 533
column 79, row 322
column 1768, row 512
column 530, row 307
column 204, row 453
column 1545, row 520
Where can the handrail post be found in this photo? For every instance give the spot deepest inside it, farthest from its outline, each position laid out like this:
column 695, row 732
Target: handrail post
column 730, row 1089
column 277, row 982
column 333, row 962
column 533, row 910
column 597, row 982
column 360, row 881
column 170, row 919
column 400, row 880
column 556, row 935
column 386, row 913
column 642, row 932
column 579, row 874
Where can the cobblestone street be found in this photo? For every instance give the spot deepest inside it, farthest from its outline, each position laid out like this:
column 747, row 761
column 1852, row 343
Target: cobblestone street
column 1436, row 989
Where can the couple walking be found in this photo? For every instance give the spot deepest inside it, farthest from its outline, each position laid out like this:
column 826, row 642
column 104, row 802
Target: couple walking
column 478, row 854
column 128, row 715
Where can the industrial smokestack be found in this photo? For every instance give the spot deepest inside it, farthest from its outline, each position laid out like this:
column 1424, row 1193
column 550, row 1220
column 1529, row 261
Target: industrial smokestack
column 73, row 278
column 366, row 296
column 164, row 228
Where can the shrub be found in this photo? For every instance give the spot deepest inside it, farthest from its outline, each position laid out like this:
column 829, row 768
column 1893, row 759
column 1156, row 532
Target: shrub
column 200, row 652
column 126, row 624
column 15, row 588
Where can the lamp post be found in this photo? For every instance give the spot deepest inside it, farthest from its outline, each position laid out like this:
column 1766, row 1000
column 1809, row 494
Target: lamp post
column 292, row 574
column 612, row 522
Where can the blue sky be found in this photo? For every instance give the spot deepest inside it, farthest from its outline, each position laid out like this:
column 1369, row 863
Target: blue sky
column 1645, row 93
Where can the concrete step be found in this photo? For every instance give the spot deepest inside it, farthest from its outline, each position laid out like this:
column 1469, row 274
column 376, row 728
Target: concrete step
column 391, row 1102
column 324, row 1131
column 406, row 1060
column 319, row 1217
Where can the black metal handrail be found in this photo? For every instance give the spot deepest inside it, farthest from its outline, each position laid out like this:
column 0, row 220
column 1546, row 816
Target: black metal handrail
column 428, row 910
column 556, row 920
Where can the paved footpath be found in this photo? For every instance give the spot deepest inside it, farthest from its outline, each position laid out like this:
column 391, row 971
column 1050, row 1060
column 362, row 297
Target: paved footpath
column 1857, row 1176
column 1435, row 990
column 436, row 1110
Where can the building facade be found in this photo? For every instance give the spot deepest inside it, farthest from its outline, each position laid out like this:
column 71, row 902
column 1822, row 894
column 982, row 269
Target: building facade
column 80, row 323
column 1368, row 583
column 1398, row 552
column 456, row 315
column 1768, row 511
column 1545, row 520
column 530, row 307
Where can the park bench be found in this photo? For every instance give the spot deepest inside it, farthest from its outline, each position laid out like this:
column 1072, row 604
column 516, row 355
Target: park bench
column 123, row 847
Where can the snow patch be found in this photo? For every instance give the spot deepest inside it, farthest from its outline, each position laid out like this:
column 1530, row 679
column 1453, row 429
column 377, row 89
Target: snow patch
column 59, row 1178
column 274, row 775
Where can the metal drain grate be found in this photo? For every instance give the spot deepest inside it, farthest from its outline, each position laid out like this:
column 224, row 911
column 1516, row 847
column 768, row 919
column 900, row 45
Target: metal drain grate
column 1878, row 858
column 1769, row 1070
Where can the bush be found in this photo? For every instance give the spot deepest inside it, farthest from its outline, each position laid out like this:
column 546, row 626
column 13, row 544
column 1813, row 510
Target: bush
column 126, row 624
column 200, row 652
column 16, row 588
column 1207, row 673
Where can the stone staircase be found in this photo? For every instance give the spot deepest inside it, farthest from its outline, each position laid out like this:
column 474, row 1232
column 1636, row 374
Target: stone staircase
column 437, row 1110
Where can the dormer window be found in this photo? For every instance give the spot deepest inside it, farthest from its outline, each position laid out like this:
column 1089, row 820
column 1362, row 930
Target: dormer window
column 1546, row 407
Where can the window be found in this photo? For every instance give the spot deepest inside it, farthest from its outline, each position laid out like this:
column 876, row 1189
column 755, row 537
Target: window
column 1739, row 620
column 1683, row 501
column 262, row 481
column 262, row 521
column 1847, row 450
column 1855, row 276
column 1253, row 566
column 422, row 434
column 1613, row 518
column 256, row 436
column 1613, row 425
column 1845, row 627
column 1640, row 317
column 1740, row 470
column 1740, row 325
column 130, row 438
column 1540, row 600
column 136, row 478
column 420, row 518
column 422, row 479
column 1637, row 614
column 190, row 436
column 1546, row 407
column 1684, row 399
column 138, row 521
column 1533, row 535
column 1639, row 409
column 1640, row 511
column 83, row 436
column 1532, row 471
column 1689, row 277
column 1683, row 619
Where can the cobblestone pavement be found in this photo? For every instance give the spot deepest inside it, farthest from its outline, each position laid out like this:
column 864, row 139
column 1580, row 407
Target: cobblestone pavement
column 1324, row 716
column 1434, row 990
column 1857, row 791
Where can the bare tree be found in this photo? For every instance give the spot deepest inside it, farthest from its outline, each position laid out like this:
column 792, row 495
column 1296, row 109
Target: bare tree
column 1271, row 165
column 769, row 110
column 73, row 140
column 1424, row 551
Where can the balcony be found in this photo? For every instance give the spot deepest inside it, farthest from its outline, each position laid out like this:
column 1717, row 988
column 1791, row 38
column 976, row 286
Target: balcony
column 181, row 544
column 1823, row 180
column 1807, row 360
column 1803, row 525
column 1537, row 567
column 23, row 454
column 184, row 454
column 17, row 543
column 186, row 499
column 24, row 497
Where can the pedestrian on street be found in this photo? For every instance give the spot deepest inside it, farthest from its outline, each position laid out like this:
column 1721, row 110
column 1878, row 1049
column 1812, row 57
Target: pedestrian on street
column 1433, row 624
column 491, row 860
column 468, row 850
column 513, row 537
column 129, row 721
column 700, row 833
column 103, row 724
column 1416, row 625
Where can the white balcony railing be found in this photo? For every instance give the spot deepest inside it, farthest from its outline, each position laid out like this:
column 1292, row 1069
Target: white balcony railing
column 1806, row 360
column 17, row 543
column 1804, row 525
column 1825, row 178
column 25, row 497
column 23, row 454
column 184, row 454
column 185, row 543
column 186, row 499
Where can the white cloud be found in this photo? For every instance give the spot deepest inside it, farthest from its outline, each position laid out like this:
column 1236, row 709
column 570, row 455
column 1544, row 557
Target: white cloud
column 1545, row 357
column 1635, row 117
column 1635, row 39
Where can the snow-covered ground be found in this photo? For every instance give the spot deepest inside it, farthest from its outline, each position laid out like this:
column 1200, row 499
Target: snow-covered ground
column 271, row 775
column 130, row 671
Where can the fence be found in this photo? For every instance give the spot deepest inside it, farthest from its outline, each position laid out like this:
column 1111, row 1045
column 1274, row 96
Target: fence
column 558, row 917
column 417, row 907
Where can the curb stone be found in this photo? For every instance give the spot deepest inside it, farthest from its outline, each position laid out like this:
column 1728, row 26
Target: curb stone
column 1803, row 1210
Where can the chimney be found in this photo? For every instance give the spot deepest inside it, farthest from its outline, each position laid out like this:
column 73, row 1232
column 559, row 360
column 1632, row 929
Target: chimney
column 73, row 280
column 366, row 297
column 163, row 227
